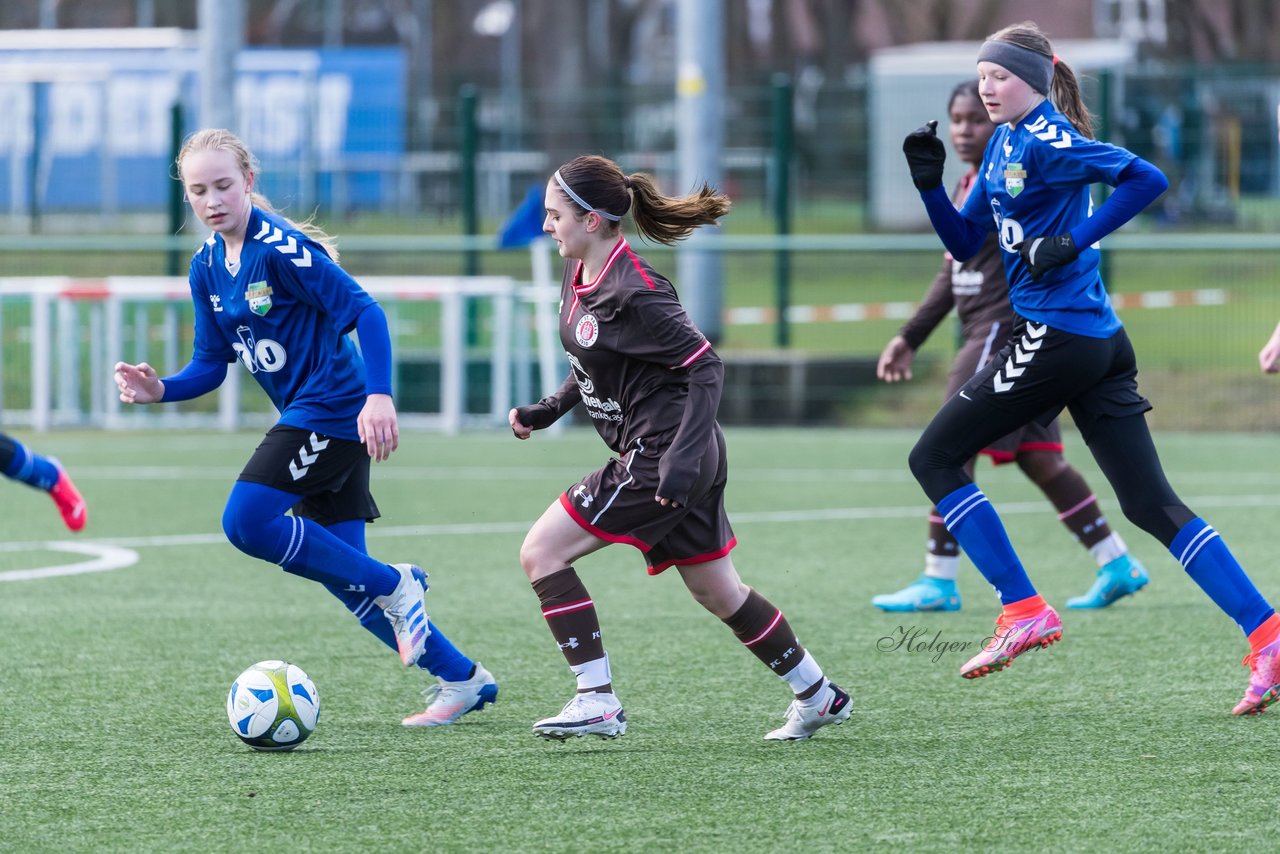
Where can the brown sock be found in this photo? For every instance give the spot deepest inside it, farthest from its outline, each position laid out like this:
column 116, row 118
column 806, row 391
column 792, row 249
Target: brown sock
column 571, row 616
column 768, row 636
column 941, row 542
column 1077, row 507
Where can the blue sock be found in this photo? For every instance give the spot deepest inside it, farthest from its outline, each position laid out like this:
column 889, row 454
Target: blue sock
column 255, row 523
column 18, row 462
column 1209, row 562
column 974, row 523
column 441, row 658
column 445, row 660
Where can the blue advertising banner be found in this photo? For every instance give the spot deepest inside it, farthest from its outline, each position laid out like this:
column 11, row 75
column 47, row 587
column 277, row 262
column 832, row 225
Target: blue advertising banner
column 89, row 129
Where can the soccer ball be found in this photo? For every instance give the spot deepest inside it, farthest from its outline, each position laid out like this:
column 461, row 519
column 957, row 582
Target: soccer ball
column 273, row 705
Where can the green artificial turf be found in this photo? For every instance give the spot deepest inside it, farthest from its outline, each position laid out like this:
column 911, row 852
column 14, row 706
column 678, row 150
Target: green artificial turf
column 1119, row 738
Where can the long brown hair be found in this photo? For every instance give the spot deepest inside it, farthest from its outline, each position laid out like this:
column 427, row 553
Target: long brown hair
column 218, row 139
column 1064, row 89
column 602, row 184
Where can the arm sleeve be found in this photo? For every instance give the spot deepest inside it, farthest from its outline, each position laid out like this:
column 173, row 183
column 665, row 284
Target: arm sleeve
column 670, row 339
column 375, row 346
column 962, row 237
column 937, row 304
column 1140, row 184
column 551, row 408
column 681, row 463
column 197, row 378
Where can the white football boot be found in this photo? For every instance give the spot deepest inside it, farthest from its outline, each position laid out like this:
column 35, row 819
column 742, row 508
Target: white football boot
column 830, row 705
column 586, row 714
column 448, row 701
column 407, row 611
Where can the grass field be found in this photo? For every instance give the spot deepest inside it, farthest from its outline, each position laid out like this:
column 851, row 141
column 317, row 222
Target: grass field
column 1117, row 739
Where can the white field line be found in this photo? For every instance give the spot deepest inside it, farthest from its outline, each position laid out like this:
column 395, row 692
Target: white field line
column 573, row 473
column 103, row 558
column 117, row 552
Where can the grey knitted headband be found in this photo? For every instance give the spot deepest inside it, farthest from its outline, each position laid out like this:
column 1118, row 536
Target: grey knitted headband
column 1033, row 67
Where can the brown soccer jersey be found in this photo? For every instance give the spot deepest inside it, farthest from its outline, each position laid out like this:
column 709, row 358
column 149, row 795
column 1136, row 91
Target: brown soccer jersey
column 641, row 368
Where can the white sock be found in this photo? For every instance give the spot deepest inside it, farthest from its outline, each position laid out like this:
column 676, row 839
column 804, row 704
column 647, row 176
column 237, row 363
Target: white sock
column 804, row 675
column 592, row 674
column 941, row 566
column 1109, row 549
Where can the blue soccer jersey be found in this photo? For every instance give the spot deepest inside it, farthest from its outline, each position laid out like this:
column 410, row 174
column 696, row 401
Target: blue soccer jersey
column 1034, row 182
column 284, row 315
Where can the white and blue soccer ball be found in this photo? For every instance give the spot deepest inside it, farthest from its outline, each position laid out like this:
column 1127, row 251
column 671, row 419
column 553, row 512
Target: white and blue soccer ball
column 273, row 705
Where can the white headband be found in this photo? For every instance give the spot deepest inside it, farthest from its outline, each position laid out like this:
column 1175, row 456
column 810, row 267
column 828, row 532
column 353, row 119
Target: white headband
column 582, row 203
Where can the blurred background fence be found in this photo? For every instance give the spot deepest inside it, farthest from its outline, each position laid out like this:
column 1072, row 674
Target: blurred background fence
column 414, row 129
column 1198, row 308
column 66, row 166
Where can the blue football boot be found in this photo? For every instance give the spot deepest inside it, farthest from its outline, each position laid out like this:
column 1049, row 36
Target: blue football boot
column 926, row 593
column 1121, row 577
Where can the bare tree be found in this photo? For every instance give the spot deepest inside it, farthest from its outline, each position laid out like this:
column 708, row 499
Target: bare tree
column 1254, row 26
column 560, row 73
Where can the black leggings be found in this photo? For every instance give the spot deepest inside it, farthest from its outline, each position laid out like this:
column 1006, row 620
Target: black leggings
column 8, row 450
column 1040, row 370
column 1127, row 456
column 1122, row 447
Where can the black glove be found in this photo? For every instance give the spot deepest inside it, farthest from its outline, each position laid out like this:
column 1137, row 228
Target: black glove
column 925, row 155
column 535, row 416
column 1042, row 254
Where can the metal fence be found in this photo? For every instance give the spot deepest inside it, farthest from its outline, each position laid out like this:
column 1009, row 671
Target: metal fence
column 1213, row 130
column 1198, row 307
column 62, row 335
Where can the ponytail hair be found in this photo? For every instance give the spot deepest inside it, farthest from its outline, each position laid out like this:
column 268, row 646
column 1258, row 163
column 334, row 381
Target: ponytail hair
column 217, row 139
column 1065, row 94
column 1064, row 87
column 594, row 183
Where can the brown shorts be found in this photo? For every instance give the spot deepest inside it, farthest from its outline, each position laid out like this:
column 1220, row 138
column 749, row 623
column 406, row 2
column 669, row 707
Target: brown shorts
column 973, row 355
column 616, row 503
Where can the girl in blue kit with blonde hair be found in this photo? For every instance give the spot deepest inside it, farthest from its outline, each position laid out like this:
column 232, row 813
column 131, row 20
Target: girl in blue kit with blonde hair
column 269, row 293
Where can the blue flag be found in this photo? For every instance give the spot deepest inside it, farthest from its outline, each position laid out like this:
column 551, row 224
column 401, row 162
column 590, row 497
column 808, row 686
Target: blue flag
column 525, row 223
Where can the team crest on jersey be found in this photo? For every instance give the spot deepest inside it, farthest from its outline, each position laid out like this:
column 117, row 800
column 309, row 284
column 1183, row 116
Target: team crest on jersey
column 259, row 297
column 1014, row 178
column 587, row 330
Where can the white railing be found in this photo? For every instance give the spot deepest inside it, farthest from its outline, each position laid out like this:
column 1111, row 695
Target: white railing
column 71, row 351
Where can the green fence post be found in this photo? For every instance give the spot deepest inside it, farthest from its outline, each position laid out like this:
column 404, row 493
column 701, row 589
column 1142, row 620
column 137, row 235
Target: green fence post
column 38, row 96
column 174, row 265
column 467, row 145
column 781, row 168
